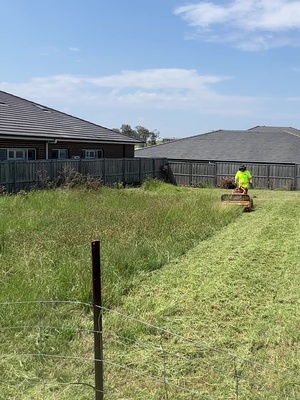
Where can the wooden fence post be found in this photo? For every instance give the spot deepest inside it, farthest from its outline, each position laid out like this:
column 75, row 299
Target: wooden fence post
column 51, row 169
column 140, row 171
column 14, row 176
column 216, row 175
column 153, row 167
column 123, row 171
column 104, row 172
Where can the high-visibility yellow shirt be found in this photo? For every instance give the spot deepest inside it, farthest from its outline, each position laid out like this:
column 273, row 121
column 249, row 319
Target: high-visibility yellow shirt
column 243, row 178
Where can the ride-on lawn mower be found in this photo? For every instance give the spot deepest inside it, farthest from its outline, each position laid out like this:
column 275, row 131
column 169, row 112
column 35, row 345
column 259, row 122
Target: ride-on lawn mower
column 238, row 197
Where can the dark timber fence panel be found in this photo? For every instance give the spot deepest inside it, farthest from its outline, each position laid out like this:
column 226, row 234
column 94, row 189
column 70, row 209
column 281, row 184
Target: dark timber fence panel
column 297, row 176
column 266, row 176
column 282, row 176
column 147, row 168
column 131, row 171
column 203, row 173
column 23, row 175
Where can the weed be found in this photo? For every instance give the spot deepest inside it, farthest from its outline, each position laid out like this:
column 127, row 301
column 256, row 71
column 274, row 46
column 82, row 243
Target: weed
column 153, row 184
column 118, row 185
column 201, row 185
column 227, row 183
column 68, row 178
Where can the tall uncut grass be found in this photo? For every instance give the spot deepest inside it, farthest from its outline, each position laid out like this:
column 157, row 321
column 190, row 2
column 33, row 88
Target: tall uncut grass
column 45, row 237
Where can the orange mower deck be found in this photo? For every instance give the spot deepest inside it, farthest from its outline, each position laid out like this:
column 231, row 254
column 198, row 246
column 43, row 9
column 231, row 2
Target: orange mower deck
column 238, row 199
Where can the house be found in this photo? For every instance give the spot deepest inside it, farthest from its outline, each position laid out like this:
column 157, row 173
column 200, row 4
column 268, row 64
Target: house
column 261, row 144
column 31, row 131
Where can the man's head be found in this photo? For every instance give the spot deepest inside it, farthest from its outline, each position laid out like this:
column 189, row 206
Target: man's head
column 242, row 168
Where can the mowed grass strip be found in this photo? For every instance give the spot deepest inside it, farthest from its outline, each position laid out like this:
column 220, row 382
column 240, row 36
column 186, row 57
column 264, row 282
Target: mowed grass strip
column 237, row 293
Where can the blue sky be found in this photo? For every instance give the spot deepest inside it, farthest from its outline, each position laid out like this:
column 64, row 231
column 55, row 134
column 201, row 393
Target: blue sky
column 180, row 67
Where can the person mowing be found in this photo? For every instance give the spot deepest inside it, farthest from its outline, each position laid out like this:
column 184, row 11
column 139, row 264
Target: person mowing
column 243, row 179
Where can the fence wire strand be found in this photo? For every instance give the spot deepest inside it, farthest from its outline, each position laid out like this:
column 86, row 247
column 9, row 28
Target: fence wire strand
column 241, row 382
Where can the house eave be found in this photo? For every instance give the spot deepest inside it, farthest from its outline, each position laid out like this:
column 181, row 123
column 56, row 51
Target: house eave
column 55, row 139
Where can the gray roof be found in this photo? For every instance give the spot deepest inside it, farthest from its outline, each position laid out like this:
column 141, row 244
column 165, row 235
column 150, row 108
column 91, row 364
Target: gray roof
column 20, row 117
column 258, row 144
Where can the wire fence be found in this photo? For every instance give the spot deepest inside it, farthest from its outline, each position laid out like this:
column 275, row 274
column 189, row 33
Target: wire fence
column 52, row 358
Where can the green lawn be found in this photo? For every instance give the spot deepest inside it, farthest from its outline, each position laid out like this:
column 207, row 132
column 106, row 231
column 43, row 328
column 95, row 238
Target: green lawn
column 218, row 290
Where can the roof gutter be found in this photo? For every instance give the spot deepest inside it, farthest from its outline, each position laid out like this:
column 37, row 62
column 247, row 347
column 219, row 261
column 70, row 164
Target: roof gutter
column 22, row 138
column 55, row 140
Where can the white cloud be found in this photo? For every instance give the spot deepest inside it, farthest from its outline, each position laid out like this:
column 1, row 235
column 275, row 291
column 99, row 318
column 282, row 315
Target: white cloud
column 170, row 89
column 157, row 79
column 74, row 49
column 247, row 24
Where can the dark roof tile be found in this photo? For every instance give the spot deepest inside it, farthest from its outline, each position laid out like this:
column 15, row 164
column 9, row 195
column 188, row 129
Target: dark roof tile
column 20, row 117
column 259, row 144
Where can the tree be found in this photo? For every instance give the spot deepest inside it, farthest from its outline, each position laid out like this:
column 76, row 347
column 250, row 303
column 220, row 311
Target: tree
column 143, row 133
column 127, row 130
column 153, row 137
column 140, row 133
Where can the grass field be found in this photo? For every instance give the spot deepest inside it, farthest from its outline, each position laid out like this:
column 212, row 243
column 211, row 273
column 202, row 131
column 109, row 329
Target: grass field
column 221, row 285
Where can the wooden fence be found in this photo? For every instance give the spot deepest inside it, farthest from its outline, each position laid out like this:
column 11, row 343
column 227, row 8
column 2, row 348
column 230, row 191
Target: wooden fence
column 23, row 175
column 266, row 176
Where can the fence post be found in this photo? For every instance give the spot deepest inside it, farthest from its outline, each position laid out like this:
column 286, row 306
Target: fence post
column 123, row 171
column 216, row 175
column 97, row 309
column 153, row 166
column 268, row 177
column 104, row 171
column 295, row 177
column 14, row 176
column 51, row 170
column 140, row 171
